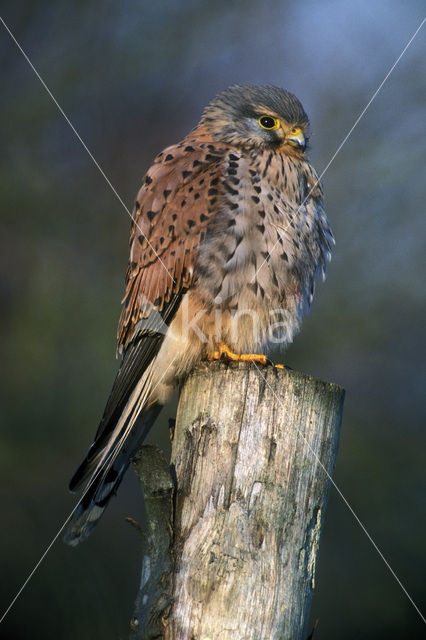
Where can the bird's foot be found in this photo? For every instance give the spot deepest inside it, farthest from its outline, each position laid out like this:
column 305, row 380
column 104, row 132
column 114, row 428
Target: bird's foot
column 223, row 352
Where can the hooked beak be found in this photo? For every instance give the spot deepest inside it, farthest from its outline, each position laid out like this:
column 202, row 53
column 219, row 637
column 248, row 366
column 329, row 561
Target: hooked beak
column 296, row 138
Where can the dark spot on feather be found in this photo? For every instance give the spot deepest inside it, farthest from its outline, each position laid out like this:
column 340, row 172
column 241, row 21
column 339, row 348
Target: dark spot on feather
column 211, row 158
column 137, row 205
column 270, row 197
column 174, row 216
column 214, row 181
column 212, row 192
column 232, row 156
column 233, row 165
column 162, row 240
column 186, row 174
column 166, row 193
column 216, row 291
column 190, row 223
column 189, row 148
column 157, row 301
column 261, row 228
column 141, row 239
column 183, row 203
column 267, row 163
column 230, row 190
column 168, row 157
column 255, row 199
column 234, row 181
column 257, row 189
column 171, row 228
column 197, row 195
column 230, row 255
column 148, row 179
column 232, row 172
column 231, row 222
column 203, row 217
column 284, row 256
column 252, row 286
column 196, row 163
column 262, row 213
column 151, row 215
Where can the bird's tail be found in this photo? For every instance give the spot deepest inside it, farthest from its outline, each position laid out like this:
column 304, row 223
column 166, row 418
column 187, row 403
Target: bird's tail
column 108, row 459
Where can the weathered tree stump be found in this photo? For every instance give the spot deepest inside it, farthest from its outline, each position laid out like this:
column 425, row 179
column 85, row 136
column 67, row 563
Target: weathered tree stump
column 252, row 455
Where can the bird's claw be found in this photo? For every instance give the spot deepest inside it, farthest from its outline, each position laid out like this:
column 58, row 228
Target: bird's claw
column 225, row 354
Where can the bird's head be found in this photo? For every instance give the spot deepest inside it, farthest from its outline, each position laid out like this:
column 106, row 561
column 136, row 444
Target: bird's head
column 258, row 117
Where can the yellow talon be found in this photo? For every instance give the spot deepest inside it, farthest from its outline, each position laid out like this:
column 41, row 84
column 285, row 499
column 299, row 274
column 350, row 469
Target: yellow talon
column 225, row 353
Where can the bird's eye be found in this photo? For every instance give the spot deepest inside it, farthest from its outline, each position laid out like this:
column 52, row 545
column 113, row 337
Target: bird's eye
column 268, row 122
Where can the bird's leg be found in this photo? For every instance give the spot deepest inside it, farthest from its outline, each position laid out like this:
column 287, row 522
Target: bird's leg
column 223, row 352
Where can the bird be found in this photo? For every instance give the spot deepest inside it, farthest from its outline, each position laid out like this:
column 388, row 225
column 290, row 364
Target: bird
column 228, row 236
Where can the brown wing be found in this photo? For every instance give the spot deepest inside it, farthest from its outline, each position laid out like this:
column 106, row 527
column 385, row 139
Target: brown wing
column 170, row 217
column 173, row 208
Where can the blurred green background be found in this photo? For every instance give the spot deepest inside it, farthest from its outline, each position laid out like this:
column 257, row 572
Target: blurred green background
column 134, row 77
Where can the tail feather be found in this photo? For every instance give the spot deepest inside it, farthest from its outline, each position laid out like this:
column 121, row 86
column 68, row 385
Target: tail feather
column 107, row 468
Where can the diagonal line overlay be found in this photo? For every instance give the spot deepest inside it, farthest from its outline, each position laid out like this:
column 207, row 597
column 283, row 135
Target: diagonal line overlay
column 345, row 501
column 52, row 542
column 361, row 115
column 347, row 136
column 84, row 145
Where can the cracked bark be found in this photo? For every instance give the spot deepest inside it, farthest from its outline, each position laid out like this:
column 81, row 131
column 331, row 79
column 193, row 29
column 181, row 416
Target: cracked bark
column 252, row 453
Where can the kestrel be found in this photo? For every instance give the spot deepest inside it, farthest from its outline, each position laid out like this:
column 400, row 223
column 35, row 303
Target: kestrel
column 228, row 236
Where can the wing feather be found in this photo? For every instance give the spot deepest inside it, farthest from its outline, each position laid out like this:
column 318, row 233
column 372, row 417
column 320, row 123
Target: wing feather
column 170, row 218
column 169, row 221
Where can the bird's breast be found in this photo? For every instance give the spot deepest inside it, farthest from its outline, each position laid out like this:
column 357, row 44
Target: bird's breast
column 260, row 253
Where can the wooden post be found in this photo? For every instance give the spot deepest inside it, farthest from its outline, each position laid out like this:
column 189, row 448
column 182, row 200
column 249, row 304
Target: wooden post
column 252, row 453
column 153, row 601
